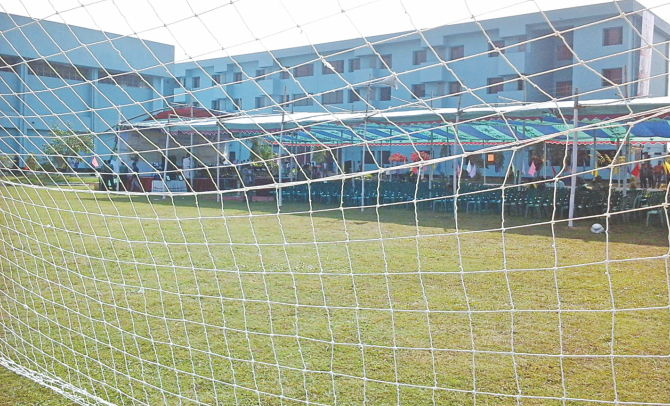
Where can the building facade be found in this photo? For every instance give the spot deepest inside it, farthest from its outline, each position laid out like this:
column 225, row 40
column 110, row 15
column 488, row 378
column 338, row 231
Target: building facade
column 53, row 74
column 509, row 59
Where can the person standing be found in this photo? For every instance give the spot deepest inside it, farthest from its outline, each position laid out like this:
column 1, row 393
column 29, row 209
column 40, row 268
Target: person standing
column 658, row 174
column 644, row 176
column 135, row 184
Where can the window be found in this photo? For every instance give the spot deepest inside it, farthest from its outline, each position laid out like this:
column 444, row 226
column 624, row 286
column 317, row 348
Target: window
column 7, row 62
column 456, row 52
column 260, row 102
column 418, row 91
column 388, row 60
column 353, row 96
column 237, row 104
column 301, row 99
column 522, row 47
column 495, row 85
column 284, row 75
column 613, row 36
column 284, row 99
column 385, row 157
column 237, row 77
column 216, row 80
column 520, row 83
column 419, row 57
column 369, row 158
column 55, row 70
column 385, row 94
column 332, row 97
column 564, row 89
column 492, row 49
column 123, row 79
column 454, row 87
column 195, row 83
column 563, row 53
column 195, row 104
column 614, row 75
column 260, row 74
column 304, row 70
column 216, row 104
column 337, row 66
column 354, row 64
column 181, row 81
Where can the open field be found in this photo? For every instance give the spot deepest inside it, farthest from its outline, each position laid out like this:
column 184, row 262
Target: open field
column 185, row 302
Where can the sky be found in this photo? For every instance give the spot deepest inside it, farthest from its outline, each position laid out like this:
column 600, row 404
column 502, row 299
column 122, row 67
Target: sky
column 202, row 29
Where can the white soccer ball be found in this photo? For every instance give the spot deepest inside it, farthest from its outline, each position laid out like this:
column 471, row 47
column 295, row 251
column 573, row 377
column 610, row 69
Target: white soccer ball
column 597, row 229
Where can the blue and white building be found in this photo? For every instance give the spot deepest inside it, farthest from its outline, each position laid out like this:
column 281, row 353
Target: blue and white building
column 53, row 74
column 519, row 58
column 56, row 74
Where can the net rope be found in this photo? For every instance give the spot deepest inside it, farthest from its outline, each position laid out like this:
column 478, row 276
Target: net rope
column 337, row 290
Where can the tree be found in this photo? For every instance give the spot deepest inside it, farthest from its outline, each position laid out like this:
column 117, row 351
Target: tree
column 67, row 143
column 262, row 151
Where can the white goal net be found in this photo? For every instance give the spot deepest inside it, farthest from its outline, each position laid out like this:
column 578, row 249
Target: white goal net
column 336, row 202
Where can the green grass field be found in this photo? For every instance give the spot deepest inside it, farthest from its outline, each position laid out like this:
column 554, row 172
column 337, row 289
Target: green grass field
column 186, row 302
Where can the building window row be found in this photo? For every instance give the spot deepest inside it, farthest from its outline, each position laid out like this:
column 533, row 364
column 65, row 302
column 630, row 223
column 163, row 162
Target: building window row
column 57, row 70
column 335, row 67
column 335, row 97
column 124, row 79
column 8, row 63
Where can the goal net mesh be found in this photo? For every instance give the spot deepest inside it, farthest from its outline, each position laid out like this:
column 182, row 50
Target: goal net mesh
column 336, row 224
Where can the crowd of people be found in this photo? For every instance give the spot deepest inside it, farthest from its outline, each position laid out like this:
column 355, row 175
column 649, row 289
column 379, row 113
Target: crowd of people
column 652, row 176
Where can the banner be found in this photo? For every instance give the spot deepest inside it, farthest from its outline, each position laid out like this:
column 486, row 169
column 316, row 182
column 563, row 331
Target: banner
column 646, row 44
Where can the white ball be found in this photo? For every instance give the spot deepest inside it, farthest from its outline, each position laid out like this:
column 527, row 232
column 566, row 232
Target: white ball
column 597, row 229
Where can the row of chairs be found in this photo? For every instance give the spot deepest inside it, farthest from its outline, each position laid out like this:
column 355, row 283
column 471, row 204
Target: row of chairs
column 478, row 198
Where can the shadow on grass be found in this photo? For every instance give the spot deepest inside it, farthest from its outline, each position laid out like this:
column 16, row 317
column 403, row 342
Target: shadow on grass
column 629, row 230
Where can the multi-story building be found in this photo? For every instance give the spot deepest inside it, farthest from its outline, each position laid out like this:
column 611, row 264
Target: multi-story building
column 533, row 57
column 57, row 74
column 53, row 74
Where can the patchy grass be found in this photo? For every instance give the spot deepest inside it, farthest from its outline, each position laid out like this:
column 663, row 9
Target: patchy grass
column 185, row 302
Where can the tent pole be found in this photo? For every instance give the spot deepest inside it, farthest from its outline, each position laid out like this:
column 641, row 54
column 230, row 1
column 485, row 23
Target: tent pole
column 191, row 162
column 455, row 181
column 545, row 160
column 573, row 182
column 218, row 159
column 430, row 177
column 365, row 137
column 594, row 157
column 390, row 148
column 281, row 152
column 625, row 173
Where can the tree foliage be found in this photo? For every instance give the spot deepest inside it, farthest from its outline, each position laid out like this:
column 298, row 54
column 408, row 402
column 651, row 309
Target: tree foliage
column 66, row 143
column 262, row 151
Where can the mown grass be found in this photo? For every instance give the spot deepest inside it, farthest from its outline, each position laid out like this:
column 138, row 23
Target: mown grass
column 181, row 301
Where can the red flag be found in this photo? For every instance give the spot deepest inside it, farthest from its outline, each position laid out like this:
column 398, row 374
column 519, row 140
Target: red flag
column 636, row 170
column 553, row 170
column 94, row 162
